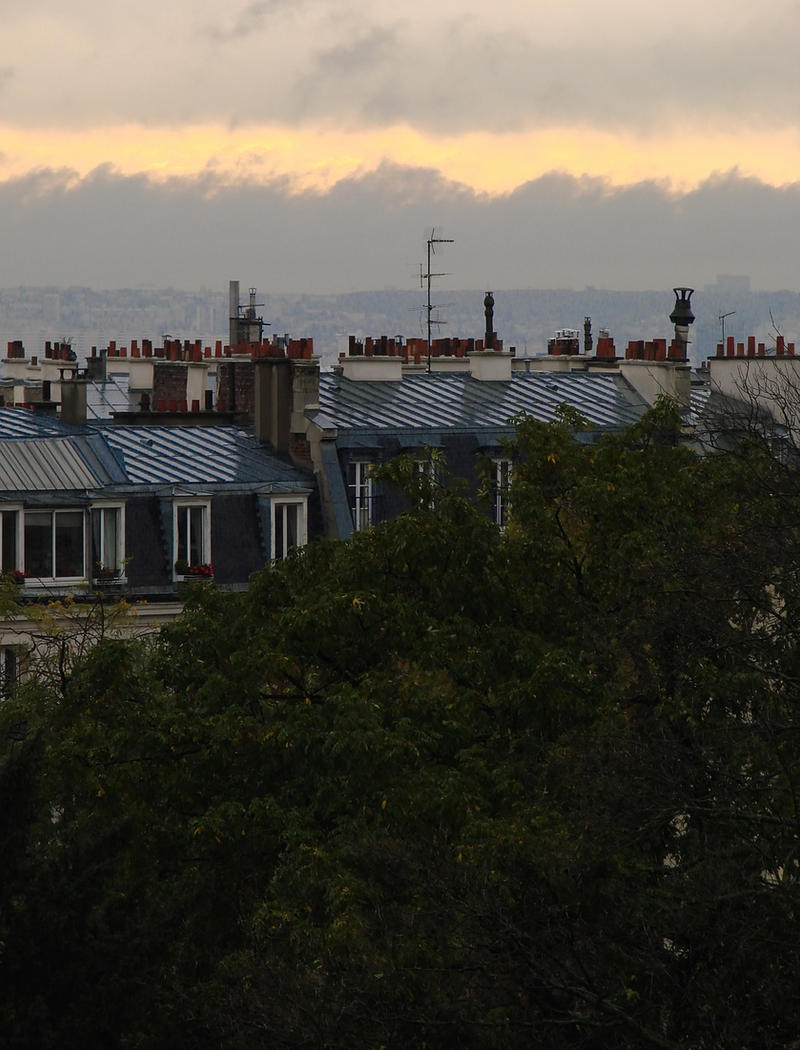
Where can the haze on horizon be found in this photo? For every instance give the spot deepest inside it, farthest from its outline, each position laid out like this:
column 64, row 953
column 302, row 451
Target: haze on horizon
column 307, row 145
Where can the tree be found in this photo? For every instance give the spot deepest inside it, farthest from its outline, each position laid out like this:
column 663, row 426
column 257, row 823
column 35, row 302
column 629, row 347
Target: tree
column 435, row 786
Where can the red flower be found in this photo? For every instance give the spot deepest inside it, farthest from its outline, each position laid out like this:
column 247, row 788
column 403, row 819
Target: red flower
column 204, row 569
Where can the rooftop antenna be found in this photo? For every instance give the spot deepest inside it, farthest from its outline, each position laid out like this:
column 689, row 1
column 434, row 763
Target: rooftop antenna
column 722, row 317
column 249, row 312
column 432, row 241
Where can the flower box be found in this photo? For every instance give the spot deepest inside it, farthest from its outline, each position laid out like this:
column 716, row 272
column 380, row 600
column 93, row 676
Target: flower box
column 195, row 571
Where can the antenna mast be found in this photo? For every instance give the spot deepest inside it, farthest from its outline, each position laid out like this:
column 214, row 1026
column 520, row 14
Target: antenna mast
column 433, row 240
column 722, row 317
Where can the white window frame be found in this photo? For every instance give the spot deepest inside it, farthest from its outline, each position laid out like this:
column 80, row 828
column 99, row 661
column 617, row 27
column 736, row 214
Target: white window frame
column 301, row 503
column 503, row 469
column 181, row 506
column 19, row 540
column 117, row 561
column 361, row 492
column 47, row 581
column 428, row 467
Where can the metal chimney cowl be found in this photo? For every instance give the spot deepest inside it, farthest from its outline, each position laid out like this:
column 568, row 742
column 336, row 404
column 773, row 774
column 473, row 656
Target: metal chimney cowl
column 682, row 311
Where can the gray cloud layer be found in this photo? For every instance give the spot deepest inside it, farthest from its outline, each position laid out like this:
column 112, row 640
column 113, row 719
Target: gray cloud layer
column 557, row 231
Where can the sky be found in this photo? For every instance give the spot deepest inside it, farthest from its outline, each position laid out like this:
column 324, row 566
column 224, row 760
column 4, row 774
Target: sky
column 311, row 145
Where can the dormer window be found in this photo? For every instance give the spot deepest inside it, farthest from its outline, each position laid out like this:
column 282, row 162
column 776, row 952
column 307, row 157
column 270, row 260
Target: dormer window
column 288, row 526
column 362, row 494
column 427, row 469
column 192, row 535
column 108, row 541
column 503, row 469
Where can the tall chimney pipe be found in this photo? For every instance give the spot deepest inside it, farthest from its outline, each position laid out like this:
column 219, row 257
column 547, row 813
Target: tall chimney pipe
column 682, row 316
column 488, row 309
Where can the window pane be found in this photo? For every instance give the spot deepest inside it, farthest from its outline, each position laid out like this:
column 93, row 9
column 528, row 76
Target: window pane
column 502, row 492
column 195, row 535
column 8, row 549
column 279, row 548
column 110, row 546
column 38, row 543
column 361, row 494
column 292, row 513
column 97, row 540
column 191, row 544
column 287, row 528
column 183, row 534
column 8, row 672
column 104, row 539
column 69, row 543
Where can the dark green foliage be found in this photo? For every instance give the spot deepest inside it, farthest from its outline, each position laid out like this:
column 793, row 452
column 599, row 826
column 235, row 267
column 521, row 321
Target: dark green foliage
column 434, row 787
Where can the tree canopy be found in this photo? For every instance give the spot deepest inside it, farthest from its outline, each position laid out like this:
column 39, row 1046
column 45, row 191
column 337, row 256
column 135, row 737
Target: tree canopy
column 435, row 786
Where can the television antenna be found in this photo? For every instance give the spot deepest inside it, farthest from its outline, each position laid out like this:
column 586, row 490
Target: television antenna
column 427, row 276
column 722, row 317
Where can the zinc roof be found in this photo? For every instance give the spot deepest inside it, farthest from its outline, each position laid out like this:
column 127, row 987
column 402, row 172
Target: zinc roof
column 23, row 422
column 40, row 454
column 107, row 396
column 153, row 455
column 46, row 464
column 457, row 401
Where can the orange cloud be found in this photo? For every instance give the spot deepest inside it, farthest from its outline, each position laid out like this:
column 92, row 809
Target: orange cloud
column 318, row 158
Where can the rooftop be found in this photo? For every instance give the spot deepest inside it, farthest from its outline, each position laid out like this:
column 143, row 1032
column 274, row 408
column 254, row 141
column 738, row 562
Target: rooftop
column 42, row 454
column 458, row 401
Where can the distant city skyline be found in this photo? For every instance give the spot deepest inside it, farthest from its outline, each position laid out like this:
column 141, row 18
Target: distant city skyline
column 314, row 142
column 524, row 318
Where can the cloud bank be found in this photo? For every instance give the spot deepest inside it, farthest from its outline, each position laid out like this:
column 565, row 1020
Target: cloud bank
column 111, row 231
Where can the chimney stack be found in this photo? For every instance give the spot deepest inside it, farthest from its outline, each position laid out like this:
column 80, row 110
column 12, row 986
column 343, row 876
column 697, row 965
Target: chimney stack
column 682, row 317
column 73, row 400
column 233, row 313
column 488, row 309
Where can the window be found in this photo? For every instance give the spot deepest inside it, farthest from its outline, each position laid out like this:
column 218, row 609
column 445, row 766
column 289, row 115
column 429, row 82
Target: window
column 288, row 526
column 107, row 540
column 502, row 491
column 10, row 540
column 362, row 494
column 427, row 470
column 9, row 671
column 192, row 537
column 54, row 544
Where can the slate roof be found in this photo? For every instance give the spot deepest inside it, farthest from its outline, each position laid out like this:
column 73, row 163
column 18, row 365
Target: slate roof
column 457, row 401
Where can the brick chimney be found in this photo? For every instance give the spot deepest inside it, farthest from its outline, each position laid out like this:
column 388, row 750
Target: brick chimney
column 169, row 382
